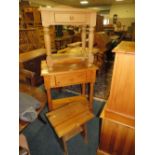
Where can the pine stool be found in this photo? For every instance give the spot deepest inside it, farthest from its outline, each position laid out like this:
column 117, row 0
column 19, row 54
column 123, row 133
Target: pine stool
column 70, row 119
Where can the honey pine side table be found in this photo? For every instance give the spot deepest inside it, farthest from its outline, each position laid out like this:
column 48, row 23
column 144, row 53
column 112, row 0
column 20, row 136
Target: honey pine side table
column 65, row 75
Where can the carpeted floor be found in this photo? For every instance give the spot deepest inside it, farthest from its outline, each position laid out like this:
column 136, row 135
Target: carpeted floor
column 42, row 139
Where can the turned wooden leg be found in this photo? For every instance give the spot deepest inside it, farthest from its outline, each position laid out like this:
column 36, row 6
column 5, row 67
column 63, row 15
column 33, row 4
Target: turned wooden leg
column 83, row 89
column 65, row 146
column 49, row 96
column 84, row 133
column 47, row 39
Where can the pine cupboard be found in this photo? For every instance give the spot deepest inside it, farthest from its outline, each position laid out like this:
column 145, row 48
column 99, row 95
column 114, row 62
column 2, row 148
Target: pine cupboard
column 117, row 136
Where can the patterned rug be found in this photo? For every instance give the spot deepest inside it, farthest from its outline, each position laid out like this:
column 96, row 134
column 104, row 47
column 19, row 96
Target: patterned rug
column 102, row 84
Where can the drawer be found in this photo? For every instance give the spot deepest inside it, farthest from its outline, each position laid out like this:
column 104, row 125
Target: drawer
column 70, row 78
column 71, row 18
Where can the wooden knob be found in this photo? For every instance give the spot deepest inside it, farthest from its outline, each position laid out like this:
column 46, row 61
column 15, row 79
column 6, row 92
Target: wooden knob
column 71, row 17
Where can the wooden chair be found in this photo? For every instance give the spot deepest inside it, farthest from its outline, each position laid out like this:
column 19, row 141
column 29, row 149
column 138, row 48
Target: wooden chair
column 69, row 120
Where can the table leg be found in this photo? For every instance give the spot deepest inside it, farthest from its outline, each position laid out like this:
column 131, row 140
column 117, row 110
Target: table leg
column 91, row 94
column 84, row 133
column 83, row 89
column 49, row 96
column 65, row 146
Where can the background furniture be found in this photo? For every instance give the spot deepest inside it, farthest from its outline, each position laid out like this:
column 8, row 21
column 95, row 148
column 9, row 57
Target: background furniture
column 31, row 16
column 99, row 23
column 31, row 61
column 70, row 120
column 33, row 38
column 65, row 75
column 118, row 116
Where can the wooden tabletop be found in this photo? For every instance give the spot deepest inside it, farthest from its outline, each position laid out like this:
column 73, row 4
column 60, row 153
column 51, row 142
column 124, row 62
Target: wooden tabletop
column 23, row 57
column 36, row 93
column 125, row 47
column 64, row 68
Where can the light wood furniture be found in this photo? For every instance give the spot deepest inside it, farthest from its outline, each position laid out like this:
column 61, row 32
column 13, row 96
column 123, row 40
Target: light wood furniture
column 118, row 116
column 65, row 75
column 36, row 93
column 69, row 16
column 70, row 120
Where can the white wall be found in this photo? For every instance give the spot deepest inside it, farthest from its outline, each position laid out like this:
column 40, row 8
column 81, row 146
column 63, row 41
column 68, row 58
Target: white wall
column 125, row 13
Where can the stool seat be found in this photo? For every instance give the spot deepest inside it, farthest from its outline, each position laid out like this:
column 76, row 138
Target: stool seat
column 70, row 119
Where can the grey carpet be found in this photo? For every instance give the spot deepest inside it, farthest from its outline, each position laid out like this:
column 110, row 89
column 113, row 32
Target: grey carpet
column 42, row 139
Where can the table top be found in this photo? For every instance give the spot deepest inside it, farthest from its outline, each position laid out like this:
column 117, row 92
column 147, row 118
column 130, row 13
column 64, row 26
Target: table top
column 38, row 94
column 125, row 47
column 65, row 68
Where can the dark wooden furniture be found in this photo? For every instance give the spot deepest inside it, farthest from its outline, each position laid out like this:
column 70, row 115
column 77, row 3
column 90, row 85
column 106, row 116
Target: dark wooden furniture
column 99, row 23
column 33, row 38
column 31, row 61
column 31, row 16
column 70, row 120
column 118, row 116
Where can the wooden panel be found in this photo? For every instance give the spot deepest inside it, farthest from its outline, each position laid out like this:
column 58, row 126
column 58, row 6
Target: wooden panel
column 71, row 78
column 60, row 102
column 120, row 118
column 69, row 17
column 122, row 94
column 69, row 117
column 116, row 139
column 63, row 114
column 91, row 75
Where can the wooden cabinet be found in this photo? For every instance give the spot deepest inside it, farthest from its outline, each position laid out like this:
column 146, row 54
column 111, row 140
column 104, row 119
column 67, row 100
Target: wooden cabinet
column 118, row 116
column 31, row 16
column 32, row 61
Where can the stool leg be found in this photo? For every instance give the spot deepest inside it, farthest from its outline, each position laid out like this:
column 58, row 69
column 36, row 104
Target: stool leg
column 84, row 133
column 65, row 146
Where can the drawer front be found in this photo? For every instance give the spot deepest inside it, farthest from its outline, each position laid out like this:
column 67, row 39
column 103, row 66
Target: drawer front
column 71, row 18
column 70, row 78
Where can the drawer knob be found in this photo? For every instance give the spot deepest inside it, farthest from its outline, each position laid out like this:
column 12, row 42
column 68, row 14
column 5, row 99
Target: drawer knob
column 71, row 17
column 58, row 83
